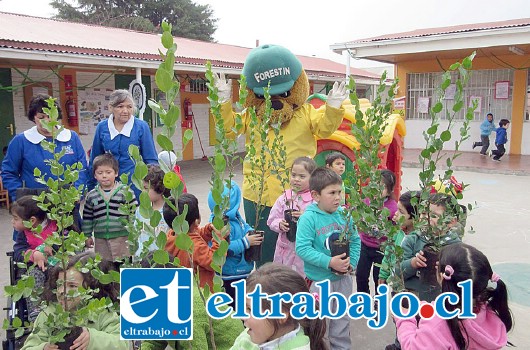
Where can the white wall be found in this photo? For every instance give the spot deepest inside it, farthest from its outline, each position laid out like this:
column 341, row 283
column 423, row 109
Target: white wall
column 22, row 122
column 525, row 144
column 415, row 128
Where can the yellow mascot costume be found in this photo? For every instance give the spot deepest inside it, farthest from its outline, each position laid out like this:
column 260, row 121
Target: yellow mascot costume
column 300, row 121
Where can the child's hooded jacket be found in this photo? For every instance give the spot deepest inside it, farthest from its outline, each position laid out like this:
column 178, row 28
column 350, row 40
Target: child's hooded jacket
column 235, row 266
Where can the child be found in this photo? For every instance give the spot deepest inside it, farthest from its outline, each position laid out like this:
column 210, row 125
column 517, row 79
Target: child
column 500, row 140
column 202, row 256
column 440, row 206
column 458, row 263
column 153, row 182
column 287, row 333
column 225, row 330
column 298, row 198
column 101, row 214
column 320, row 222
column 370, row 246
column 409, row 213
column 486, row 128
column 235, row 267
column 31, row 244
column 337, row 162
column 170, row 159
column 103, row 330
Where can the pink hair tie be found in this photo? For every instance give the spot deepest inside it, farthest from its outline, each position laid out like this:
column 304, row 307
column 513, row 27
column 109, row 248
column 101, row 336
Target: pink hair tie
column 316, row 296
column 495, row 277
column 448, row 272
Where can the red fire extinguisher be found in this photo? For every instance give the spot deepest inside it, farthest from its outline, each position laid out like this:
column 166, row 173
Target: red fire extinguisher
column 71, row 111
column 187, row 121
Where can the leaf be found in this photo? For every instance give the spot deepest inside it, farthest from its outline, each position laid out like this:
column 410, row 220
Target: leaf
column 164, row 142
column 458, row 106
column 161, row 257
column 163, row 79
column 167, row 40
column 445, row 135
column 183, row 241
column 437, row 107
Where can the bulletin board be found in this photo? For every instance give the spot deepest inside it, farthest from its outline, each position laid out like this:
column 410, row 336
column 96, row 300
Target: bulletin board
column 93, row 108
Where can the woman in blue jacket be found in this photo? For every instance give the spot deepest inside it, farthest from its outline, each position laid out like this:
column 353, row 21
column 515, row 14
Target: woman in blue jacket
column 117, row 133
column 25, row 153
column 236, row 267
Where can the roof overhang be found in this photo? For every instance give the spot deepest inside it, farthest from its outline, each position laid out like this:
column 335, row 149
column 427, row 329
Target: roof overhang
column 389, row 50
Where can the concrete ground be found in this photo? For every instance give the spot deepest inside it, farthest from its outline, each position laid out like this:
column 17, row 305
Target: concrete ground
column 499, row 219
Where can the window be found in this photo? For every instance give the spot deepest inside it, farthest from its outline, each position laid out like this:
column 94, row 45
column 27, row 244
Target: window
column 481, row 86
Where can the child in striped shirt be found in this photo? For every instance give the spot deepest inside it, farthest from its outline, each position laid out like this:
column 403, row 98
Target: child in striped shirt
column 101, row 214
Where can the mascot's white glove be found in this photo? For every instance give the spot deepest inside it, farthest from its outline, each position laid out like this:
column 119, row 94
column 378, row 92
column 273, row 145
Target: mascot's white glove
column 337, row 95
column 224, row 88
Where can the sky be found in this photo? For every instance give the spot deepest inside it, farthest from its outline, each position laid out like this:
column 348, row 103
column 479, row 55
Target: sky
column 309, row 27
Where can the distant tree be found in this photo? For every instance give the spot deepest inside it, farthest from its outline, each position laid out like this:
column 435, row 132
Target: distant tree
column 189, row 19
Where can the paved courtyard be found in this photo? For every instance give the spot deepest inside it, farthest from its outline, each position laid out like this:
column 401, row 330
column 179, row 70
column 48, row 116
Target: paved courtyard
column 499, row 219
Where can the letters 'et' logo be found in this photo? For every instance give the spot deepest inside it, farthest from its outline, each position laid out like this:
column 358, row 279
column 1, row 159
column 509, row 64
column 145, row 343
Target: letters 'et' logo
column 156, row 304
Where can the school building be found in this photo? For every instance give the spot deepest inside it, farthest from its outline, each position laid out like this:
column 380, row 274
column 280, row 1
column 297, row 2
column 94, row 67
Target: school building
column 499, row 81
column 82, row 64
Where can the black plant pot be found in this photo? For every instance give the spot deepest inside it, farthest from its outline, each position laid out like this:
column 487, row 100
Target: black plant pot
column 254, row 252
column 428, row 274
column 75, row 332
column 293, row 224
column 337, row 247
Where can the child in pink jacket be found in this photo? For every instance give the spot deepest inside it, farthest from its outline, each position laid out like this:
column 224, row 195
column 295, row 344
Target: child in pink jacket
column 460, row 262
column 297, row 198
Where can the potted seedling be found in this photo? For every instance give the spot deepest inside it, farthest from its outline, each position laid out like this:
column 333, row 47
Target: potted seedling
column 439, row 229
column 64, row 318
column 259, row 129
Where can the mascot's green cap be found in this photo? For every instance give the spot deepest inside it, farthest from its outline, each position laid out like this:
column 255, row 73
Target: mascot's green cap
column 271, row 63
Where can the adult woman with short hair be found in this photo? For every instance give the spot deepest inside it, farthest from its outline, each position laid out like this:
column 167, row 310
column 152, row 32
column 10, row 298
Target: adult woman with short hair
column 25, row 153
column 118, row 132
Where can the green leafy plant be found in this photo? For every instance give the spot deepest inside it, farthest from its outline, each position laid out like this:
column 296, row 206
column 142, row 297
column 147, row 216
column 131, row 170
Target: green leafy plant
column 436, row 136
column 364, row 183
column 58, row 201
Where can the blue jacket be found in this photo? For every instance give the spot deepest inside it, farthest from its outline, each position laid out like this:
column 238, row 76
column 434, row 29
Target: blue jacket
column 486, row 127
column 314, row 228
column 25, row 153
column 119, row 147
column 235, row 266
column 502, row 136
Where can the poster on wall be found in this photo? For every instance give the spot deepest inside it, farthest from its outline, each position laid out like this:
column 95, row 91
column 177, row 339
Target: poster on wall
column 479, row 103
column 93, row 108
column 423, row 104
column 502, row 90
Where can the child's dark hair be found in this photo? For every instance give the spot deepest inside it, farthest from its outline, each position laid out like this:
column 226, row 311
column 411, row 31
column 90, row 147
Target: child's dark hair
column 503, row 122
column 447, row 202
column 37, row 103
column 111, row 290
column 26, row 207
column 406, row 200
column 389, row 180
column 308, row 164
column 322, row 177
column 155, row 179
column 333, row 156
column 185, row 199
column 276, row 278
column 460, row 262
column 105, row 159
